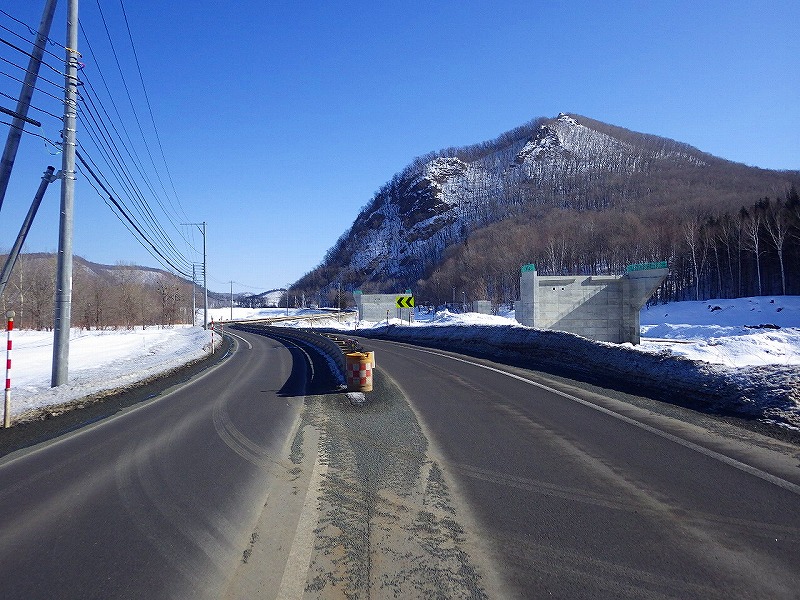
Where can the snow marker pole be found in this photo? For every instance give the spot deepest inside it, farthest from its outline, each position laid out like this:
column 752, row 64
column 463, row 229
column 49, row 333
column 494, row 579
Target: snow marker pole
column 7, row 405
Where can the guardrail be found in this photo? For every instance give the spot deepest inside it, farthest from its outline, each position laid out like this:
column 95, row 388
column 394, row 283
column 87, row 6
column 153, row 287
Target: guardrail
column 341, row 350
column 328, row 344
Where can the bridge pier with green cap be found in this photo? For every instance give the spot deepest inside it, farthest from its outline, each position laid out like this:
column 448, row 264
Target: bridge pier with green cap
column 599, row 307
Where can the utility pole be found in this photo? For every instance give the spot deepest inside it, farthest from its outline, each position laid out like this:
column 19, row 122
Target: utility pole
column 194, row 295
column 63, row 296
column 205, row 281
column 11, row 260
column 231, row 300
column 202, row 228
column 24, row 102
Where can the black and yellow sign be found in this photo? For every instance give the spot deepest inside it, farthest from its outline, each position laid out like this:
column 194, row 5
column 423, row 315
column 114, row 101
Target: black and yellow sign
column 405, row 302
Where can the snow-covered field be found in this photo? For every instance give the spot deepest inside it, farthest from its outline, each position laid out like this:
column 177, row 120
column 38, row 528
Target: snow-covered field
column 98, row 361
column 739, row 336
column 727, row 332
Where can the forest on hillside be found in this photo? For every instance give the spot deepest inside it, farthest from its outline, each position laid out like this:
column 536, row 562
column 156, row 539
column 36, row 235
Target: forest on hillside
column 751, row 252
column 572, row 196
column 118, row 297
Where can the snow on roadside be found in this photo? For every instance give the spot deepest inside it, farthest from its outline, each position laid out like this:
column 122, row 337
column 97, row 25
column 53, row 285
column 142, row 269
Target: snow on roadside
column 739, row 355
column 99, row 361
column 728, row 347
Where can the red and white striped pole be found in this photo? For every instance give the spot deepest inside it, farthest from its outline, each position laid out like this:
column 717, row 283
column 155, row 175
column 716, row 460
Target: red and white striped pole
column 7, row 404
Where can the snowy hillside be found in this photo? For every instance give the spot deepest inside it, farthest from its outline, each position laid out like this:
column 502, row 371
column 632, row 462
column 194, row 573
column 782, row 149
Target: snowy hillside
column 565, row 163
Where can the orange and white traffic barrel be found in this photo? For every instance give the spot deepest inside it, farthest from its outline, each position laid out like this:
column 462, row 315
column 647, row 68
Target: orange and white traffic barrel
column 359, row 372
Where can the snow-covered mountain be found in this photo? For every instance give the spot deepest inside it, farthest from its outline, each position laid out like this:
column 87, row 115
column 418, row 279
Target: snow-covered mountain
column 268, row 299
column 566, row 162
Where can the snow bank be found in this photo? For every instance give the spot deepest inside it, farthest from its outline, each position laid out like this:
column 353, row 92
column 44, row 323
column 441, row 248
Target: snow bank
column 730, row 355
column 99, row 361
column 737, row 355
column 771, row 393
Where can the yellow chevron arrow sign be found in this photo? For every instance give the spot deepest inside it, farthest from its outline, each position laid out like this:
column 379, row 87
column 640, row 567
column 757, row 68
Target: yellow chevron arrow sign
column 405, row 302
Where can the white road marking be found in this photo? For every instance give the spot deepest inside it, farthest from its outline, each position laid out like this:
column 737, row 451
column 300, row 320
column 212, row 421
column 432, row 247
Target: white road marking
column 768, row 477
column 293, row 582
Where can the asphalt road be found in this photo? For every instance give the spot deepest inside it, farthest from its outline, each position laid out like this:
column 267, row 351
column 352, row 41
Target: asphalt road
column 458, row 478
column 160, row 500
column 580, row 496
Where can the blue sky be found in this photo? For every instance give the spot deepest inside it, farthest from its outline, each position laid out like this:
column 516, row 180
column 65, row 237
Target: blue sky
column 280, row 120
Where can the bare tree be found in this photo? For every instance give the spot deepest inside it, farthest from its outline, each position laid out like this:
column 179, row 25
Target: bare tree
column 751, row 227
column 697, row 243
column 41, row 291
column 777, row 224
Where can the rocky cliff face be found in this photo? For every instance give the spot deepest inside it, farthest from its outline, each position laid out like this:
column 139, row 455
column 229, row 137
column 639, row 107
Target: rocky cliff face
column 564, row 162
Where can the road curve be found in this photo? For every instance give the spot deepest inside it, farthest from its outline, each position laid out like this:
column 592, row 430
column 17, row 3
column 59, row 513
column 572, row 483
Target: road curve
column 458, row 478
column 160, row 500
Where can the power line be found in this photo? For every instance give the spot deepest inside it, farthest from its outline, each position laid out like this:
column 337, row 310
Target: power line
column 142, row 236
column 42, row 110
column 35, row 34
column 150, row 109
column 25, row 70
column 25, row 131
column 29, row 55
column 132, row 152
column 114, row 160
column 98, row 131
column 169, row 249
column 37, row 88
column 131, row 206
column 130, row 100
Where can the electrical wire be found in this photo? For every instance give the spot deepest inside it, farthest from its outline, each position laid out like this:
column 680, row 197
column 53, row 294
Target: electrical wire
column 150, row 109
column 147, row 224
column 31, row 106
column 142, row 237
column 252, row 287
column 133, row 153
column 38, row 89
column 102, row 138
column 89, row 104
column 26, row 132
column 28, row 72
column 29, row 55
column 131, row 206
column 35, row 34
column 98, row 130
column 127, row 225
column 130, row 100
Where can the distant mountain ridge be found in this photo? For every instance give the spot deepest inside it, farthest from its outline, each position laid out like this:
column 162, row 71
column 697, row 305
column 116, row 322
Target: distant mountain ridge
column 566, row 163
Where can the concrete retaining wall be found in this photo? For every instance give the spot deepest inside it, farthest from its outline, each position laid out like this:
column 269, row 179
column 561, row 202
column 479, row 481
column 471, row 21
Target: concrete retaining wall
column 482, row 307
column 373, row 307
column 602, row 308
